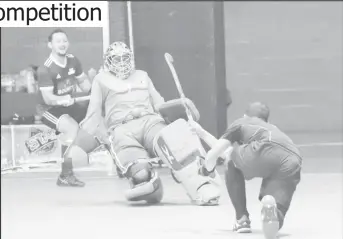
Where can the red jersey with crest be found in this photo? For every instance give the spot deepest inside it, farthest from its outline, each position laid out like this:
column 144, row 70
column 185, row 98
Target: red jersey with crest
column 61, row 78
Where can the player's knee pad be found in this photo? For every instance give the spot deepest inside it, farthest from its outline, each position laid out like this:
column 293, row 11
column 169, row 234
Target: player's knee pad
column 182, row 154
column 139, row 172
column 145, row 184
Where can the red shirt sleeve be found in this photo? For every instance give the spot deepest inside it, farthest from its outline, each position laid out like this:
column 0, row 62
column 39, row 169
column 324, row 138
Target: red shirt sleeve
column 78, row 67
column 234, row 133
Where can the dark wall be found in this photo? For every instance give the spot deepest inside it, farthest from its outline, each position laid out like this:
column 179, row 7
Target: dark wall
column 187, row 31
column 288, row 54
column 22, row 46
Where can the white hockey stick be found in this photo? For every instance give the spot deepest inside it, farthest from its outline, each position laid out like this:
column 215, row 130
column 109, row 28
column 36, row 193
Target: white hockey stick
column 169, row 59
column 77, row 99
column 82, row 98
column 220, row 149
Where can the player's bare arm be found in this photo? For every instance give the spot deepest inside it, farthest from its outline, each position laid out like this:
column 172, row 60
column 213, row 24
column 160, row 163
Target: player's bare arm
column 84, row 82
column 82, row 78
column 217, row 145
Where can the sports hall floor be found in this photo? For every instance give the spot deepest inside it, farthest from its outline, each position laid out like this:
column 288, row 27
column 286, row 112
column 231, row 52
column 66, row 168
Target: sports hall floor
column 32, row 206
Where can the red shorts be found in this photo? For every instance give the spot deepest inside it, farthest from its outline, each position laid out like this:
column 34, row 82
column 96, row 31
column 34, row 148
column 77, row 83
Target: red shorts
column 279, row 168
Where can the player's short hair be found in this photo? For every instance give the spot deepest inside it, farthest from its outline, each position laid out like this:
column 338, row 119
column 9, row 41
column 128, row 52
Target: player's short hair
column 58, row 30
column 259, row 110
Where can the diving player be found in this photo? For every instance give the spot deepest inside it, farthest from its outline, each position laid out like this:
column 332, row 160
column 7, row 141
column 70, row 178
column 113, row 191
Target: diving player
column 131, row 107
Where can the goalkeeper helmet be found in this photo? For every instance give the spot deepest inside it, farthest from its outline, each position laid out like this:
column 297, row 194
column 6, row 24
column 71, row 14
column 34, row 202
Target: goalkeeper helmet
column 118, row 59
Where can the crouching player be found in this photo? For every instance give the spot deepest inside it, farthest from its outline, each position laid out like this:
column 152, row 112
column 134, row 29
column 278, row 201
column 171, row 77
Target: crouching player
column 130, row 104
column 58, row 79
column 261, row 151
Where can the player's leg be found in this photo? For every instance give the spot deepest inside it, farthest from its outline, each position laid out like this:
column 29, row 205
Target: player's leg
column 132, row 159
column 78, row 143
column 281, row 187
column 80, row 140
column 53, row 119
column 235, row 184
column 151, row 127
column 245, row 163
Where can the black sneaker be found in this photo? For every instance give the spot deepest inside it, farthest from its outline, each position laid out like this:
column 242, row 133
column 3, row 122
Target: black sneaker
column 69, row 181
column 242, row 225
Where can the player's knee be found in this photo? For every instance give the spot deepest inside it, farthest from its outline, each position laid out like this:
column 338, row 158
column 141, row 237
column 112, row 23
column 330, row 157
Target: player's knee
column 68, row 128
column 141, row 176
column 140, row 172
column 86, row 141
column 66, row 124
column 147, row 185
column 79, row 156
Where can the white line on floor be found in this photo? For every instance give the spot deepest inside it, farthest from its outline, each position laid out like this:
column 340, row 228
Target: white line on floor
column 332, row 144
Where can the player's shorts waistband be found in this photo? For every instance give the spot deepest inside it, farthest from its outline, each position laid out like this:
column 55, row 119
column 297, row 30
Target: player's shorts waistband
column 128, row 118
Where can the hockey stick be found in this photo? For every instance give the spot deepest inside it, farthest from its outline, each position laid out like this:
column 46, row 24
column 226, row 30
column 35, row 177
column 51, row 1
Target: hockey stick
column 222, row 147
column 219, row 147
column 76, row 99
column 169, row 59
column 82, row 98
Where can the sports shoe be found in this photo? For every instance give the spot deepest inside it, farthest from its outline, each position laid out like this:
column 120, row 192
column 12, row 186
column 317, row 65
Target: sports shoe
column 269, row 216
column 242, row 225
column 69, row 181
column 269, row 209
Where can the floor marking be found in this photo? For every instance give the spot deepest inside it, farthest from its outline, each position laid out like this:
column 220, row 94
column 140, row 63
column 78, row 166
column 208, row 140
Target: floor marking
column 332, row 144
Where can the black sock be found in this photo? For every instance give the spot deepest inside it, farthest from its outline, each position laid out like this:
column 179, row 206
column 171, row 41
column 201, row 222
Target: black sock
column 235, row 184
column 63, row 149
column 67, row 166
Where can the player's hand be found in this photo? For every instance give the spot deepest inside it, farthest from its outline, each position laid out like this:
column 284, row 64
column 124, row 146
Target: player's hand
column 67, row 101
column 70, row 102
column 197, row 127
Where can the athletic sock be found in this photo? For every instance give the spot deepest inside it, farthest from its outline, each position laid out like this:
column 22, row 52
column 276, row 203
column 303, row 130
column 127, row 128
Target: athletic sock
column 67, row 166
column 63, row 149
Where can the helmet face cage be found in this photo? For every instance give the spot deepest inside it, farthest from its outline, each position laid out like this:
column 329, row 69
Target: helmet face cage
column 119, row 60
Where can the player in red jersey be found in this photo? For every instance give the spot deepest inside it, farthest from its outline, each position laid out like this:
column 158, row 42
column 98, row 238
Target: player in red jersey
column 260, row 150
column 58, row 80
